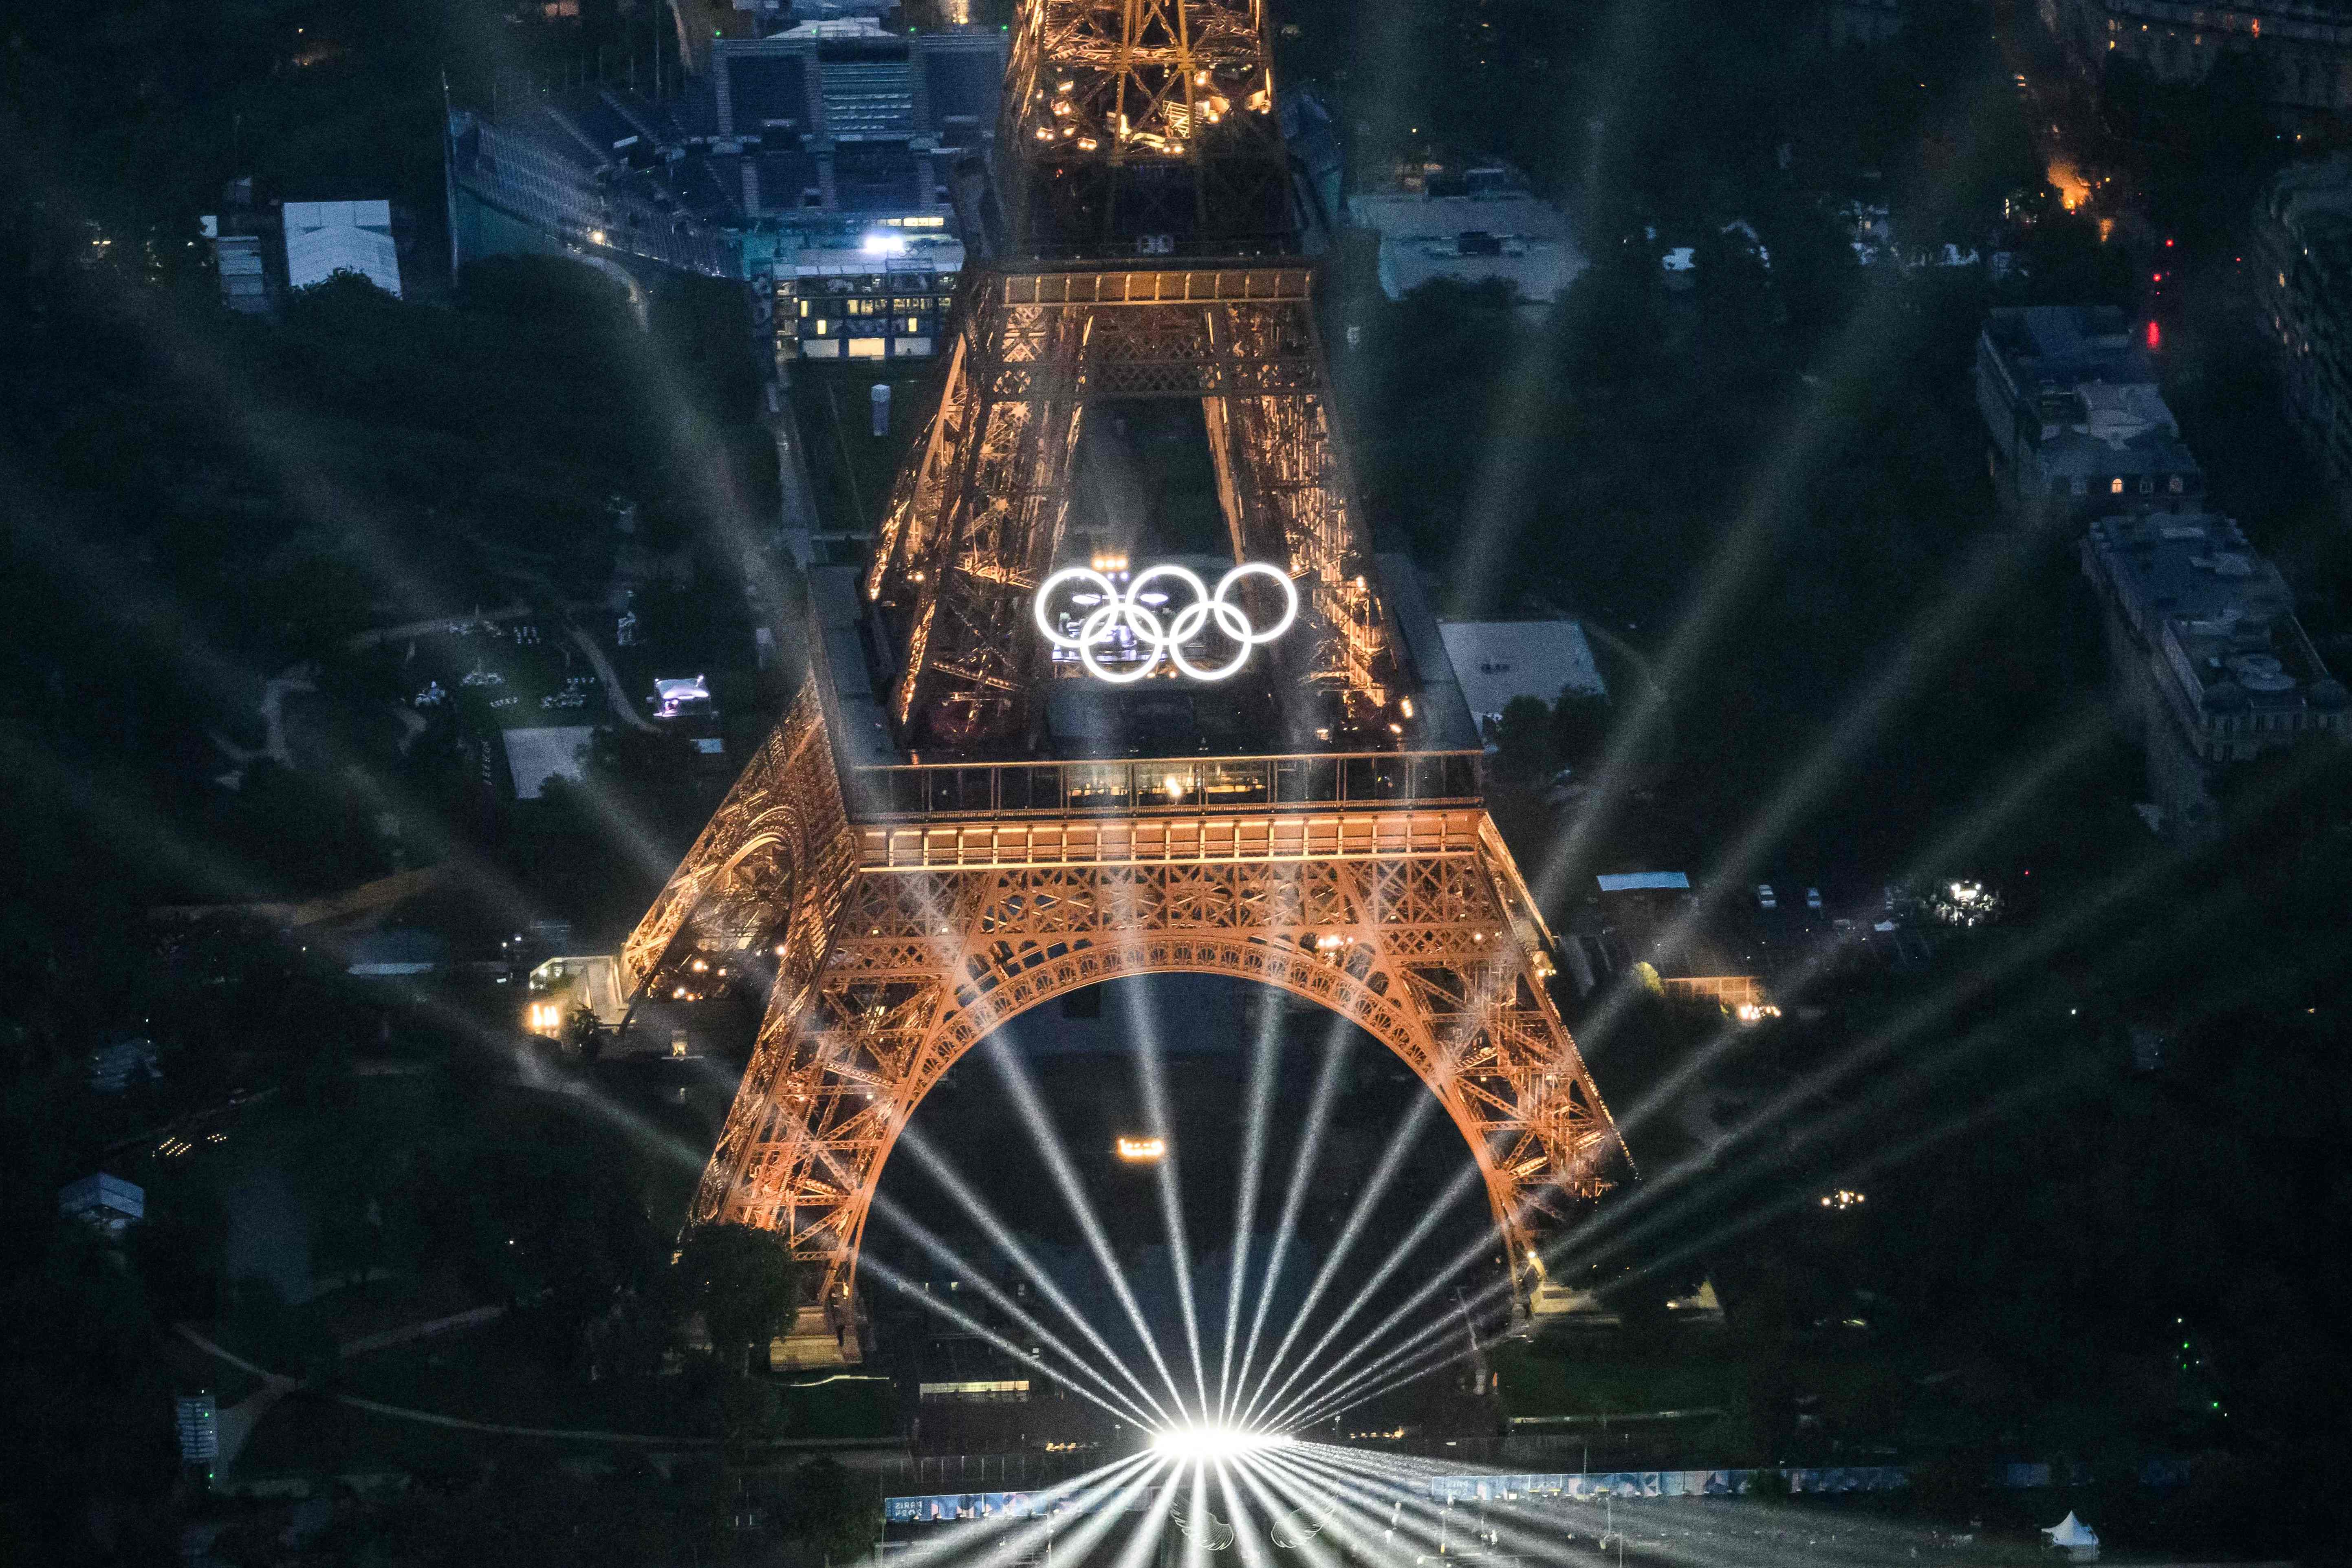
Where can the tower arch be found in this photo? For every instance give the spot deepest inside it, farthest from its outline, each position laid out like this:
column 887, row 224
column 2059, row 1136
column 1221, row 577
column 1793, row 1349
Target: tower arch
column 1423, row 951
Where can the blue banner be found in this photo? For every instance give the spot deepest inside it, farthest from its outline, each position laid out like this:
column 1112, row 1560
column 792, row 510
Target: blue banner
column 1596, row 1485
column 941, row 1507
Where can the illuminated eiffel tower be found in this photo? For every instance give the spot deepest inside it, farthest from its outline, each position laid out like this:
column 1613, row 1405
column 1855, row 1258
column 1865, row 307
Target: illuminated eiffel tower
column 982, row 799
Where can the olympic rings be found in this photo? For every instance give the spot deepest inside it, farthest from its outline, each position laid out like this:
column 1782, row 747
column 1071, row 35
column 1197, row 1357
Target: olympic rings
column 1164, row 635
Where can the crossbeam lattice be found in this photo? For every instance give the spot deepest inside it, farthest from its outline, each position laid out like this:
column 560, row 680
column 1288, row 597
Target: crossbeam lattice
column 1141, row 120
column 976, row 518
column 1433, row 954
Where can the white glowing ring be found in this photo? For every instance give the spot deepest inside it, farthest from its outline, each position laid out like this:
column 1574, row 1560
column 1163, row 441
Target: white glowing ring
column 1072, row 574
column 1164, row 639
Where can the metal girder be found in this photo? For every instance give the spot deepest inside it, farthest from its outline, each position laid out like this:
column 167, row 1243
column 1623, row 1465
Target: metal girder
column 1423, row 950
column 762, row 880
column 976, row 518
column 1141, row 120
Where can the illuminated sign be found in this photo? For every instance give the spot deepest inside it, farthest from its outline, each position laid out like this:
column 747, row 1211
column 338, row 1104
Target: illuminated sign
column 1142, row 1150
column 1135, row 626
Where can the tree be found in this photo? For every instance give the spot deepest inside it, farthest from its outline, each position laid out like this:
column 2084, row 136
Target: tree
column 745, row 1284
column 832, row 1511
column 1524, row 738
column 1580, row 727
column 751, row 1411
column 582, row 1032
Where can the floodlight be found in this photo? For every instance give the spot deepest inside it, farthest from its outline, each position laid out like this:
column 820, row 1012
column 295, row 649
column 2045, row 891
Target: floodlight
column 1211, row 1443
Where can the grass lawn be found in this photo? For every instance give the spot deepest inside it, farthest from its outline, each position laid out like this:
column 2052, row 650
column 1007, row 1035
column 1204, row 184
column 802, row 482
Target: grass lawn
column 845, row 1409
column 851, row 467
column 482, row 1377
column 1535, row 1380
column 308, row 1434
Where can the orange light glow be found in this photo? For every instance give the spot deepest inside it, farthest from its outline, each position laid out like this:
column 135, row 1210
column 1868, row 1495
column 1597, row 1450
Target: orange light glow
column 2074, row 190
column 1143, row 1150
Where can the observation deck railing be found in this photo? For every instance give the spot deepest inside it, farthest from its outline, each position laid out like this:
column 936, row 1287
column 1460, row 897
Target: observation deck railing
column 1143, row 787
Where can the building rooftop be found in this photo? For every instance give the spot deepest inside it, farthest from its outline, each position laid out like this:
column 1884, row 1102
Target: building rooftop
column 2080, row 389
column 1085, row 719
column 1498, row 660
column 103, row 1200
column 324, row 239
column 2067, row 345
column 2305, row 193
column 539, row 753
column 2193, row 564
column 807, row 136
column 1513, row 236
column 2221, row 617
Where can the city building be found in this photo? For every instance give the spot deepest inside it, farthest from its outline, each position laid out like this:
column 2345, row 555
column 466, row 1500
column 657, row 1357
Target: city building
column 566, row 983
column 237, row 258
column 1496, row 661
column 2210, row 665
column 2302, row 268
column 539, row 753
column 264, row 246
column 818, row 161
column 1482, row 226
column 324, row 239
column 886, row 297
column 109, row 1203
column 850, row 191
column 1860, row 23
column 683, row 697
column 562, row 988
column 1314, row 144
column 393, row 952
column 2078, row 425
column 2301, row 49
column 113, row 1068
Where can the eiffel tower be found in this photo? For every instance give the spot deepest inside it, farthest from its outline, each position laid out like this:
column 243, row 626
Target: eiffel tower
column 1005, row 779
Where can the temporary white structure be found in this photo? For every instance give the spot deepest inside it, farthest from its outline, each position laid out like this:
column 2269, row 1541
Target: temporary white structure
column 324, row 239
column 2079, row 1541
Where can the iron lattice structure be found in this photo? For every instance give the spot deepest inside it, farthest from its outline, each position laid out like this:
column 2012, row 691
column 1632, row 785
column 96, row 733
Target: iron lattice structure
column 891, row 946
column 1142, row 124
column 976, row 518
column 895, row 947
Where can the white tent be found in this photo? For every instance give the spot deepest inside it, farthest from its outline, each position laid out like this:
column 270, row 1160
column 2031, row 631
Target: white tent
column 324, row 239
column 2079, row 1541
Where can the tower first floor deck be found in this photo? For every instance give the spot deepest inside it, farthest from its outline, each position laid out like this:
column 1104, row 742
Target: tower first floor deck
column 1144, row 755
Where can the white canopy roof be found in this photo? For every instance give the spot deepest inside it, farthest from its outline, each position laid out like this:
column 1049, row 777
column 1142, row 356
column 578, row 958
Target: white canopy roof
column 2072, row 1532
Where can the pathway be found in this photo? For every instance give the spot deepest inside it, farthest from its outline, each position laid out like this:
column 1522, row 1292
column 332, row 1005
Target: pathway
column 277, row 1385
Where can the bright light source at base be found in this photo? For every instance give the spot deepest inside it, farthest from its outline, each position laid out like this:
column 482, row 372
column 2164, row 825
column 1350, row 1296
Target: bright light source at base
column 1216, row 1442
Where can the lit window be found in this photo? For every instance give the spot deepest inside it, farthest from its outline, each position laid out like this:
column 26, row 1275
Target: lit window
column 2114, row 487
